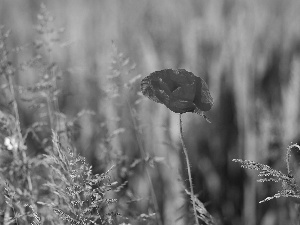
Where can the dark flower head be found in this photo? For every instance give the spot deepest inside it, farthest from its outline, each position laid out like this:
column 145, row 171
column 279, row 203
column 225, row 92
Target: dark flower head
column 181, row 91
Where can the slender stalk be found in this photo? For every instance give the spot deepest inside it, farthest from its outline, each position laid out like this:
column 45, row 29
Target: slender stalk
column 15, row 106
column 20, row 137
column 189, row 169
column 143, row 153
column 49, row 108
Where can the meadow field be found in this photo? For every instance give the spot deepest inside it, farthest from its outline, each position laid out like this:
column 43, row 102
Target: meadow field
column 80, row 143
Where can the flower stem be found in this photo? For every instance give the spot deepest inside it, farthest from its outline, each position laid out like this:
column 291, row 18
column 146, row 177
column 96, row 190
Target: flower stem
column 189, row 169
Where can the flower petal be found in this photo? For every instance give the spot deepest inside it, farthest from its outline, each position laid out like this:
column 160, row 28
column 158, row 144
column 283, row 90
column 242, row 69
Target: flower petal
column 179, row 90
column 203, row 99
column 181, row 106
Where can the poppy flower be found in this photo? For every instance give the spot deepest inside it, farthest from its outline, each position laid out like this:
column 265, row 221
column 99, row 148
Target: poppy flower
column 179, row 90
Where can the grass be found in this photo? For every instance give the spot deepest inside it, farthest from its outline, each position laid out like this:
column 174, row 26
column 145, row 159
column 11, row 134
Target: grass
column 54, row 83
column 57, row 185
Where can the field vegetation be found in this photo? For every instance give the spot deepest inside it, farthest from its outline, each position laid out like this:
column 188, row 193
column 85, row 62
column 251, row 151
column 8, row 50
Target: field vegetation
column 80, row 144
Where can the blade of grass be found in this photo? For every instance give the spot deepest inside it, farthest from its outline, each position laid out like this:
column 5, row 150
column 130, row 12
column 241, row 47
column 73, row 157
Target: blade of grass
column 143, row 153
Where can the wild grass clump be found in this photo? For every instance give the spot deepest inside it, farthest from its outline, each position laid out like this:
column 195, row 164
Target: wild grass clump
column 43, row 177
column 290, row 188
column 79, row 196
column 57, row 186
column 44, row 180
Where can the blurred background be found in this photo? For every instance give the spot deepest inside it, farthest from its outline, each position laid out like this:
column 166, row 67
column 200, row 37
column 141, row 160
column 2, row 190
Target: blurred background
column 247, row 51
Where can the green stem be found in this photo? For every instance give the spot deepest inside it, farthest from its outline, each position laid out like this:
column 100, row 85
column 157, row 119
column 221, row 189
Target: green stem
column 15, row 106
column 143, row 153
column 189, row 169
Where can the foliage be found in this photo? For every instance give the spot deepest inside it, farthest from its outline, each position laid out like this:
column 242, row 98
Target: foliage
column 250, row 62
column 290, row 188
column 56, row 185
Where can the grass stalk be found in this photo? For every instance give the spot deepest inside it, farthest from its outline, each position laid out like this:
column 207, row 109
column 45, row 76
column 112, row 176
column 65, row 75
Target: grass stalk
column 143, row 154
